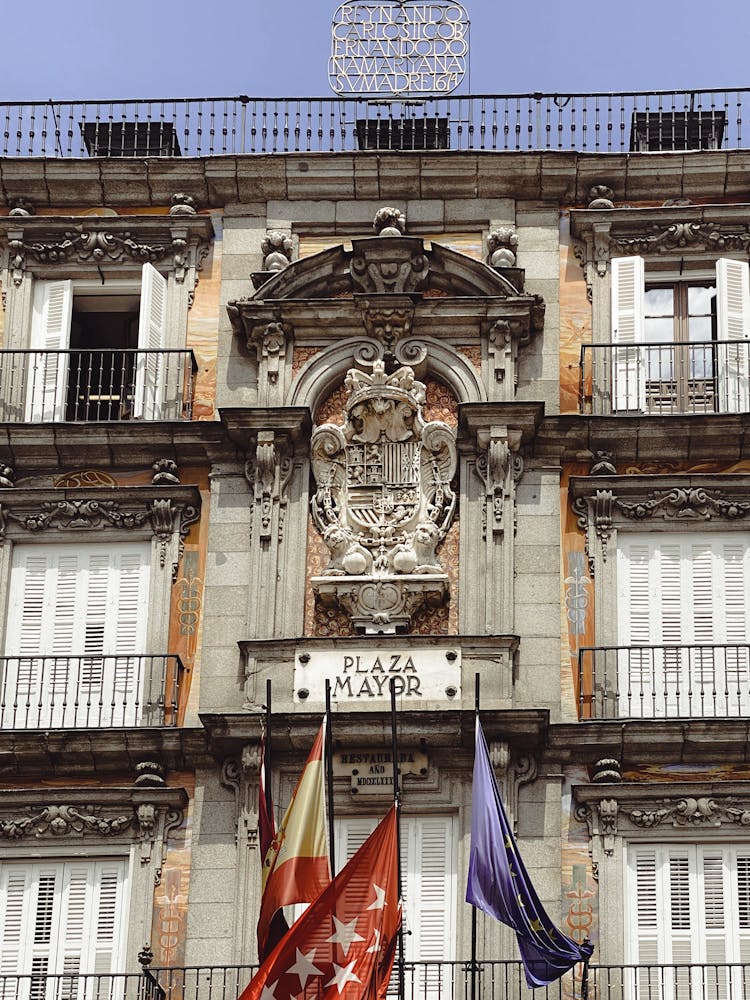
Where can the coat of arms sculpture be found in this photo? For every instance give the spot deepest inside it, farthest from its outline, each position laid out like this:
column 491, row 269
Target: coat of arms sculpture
column 383, row 501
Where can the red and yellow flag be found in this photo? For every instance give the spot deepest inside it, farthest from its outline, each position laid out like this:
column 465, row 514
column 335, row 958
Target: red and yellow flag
column 343, row 945
column 296, row 868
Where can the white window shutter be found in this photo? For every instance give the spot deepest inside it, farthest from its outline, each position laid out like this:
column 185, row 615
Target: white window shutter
column 733, row 324
column 151, row 368
column 628, row 334
column 87, row 606
column 62, row 917
column 47, row 377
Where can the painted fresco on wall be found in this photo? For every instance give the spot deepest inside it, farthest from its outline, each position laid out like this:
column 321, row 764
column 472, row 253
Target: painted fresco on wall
column 169, row 924
column 203, row 326
column 440, row 404
column 575, row 320
column 580, row 897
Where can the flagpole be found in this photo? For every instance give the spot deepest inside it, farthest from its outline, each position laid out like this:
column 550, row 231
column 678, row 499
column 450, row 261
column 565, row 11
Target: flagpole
column 474, row 909
column 329, row 779
column 397, row 803
column 267, row 753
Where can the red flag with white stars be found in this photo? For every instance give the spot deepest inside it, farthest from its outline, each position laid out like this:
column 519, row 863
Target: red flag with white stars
column 343, row 944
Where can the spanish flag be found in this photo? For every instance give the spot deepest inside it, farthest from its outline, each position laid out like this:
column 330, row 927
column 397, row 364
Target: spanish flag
column 296, row 868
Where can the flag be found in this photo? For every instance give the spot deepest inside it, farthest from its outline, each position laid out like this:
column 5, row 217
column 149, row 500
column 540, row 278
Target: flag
column 266, row 836
column 295, row 867
column 343, row 945
column 499, row 884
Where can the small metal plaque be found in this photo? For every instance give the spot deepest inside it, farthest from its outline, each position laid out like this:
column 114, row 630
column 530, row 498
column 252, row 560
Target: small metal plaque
column 371, row 771
column 398, row 48
column 363, row 675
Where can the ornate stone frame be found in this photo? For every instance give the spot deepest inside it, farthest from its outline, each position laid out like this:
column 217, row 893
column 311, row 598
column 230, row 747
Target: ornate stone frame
column 606, row 505
column 134, row 821
column 112, row 514
column 669, row 237
column 618, row 815
column 92, row 248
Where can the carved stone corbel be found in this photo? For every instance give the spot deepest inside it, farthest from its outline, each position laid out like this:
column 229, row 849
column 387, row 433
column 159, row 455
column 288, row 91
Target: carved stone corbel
column 601, row 819
column 388, row 321
column 268, row 470
column 499, row 466
column 594, row 253
column 239, row 774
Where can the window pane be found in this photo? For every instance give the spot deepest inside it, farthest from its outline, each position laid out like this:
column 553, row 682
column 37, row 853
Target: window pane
column 701, row 301
column 659, row 330
column 659, row 302
column 699, row 328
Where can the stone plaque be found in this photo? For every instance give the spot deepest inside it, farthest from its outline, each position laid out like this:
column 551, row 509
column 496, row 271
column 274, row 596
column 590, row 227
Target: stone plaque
column 362, row 675
column 371, row 771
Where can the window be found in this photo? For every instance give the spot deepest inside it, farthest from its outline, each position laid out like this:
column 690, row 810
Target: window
column 683, row 603
column 98, row 352
column 429, row 887
column 689, row 904
column 76, row 635
column 61, row 919
column 680, row 346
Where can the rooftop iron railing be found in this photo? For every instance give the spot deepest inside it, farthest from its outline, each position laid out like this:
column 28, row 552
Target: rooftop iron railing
column 664, row 681
column 217, row 126
column 89, row 692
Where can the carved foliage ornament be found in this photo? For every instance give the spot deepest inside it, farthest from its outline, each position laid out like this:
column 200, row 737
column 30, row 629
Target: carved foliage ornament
column 684, row 235
column 97, row 247
column 61, row 820
column 383, row 501
column 678, row 504
column 269, row 469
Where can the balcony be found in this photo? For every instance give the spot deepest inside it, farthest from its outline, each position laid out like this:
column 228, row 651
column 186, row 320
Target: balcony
column 662, row 682
column 219, row 126
column 83, row 386
column 495, row 980
column 89, row 692
column 665, row 378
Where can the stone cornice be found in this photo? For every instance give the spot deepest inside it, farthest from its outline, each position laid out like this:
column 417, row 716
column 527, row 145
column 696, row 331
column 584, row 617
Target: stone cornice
column 713, row 228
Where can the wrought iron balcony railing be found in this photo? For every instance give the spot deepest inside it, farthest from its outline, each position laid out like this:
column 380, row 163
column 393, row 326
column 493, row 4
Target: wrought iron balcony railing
column 87, row 692
column 665, row 378
column 664, row 681
column 422, row 981
column 216, row 126
column 86, row 386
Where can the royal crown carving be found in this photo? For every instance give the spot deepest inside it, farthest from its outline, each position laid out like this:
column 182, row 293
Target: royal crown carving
column 383, row 501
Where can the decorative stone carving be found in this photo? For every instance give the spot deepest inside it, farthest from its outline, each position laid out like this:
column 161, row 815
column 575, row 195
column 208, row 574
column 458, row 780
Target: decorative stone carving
column 708, row 236
column 182, row 205
column 165, row 473
column 601, row 196
column 270, row 342
column 239, row 774
column 501, row 246
column 603, row 464
column 392, row 266
column 21, row 207
column 268, row 470
column 606, row 770
column 389, row 222
column 388, row 322
column 150, row 774
column 498, row 466
column 383, row 502
column 7, row 475
column 60, row 820
column 277, row 250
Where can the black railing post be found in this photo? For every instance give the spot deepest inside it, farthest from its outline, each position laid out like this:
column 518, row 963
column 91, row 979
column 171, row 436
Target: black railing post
column 152, row 989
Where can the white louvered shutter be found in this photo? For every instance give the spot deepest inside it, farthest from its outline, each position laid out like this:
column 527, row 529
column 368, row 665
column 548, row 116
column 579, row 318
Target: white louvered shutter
column 428, row 876
column 152, row 369
column 47, row 373
column 628, row 334
column 85, row 608
column 683, row 605
column 62, row 918
column 733, row 324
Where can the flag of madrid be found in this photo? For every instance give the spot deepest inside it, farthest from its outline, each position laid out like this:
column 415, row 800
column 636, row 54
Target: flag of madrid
column 343, row 945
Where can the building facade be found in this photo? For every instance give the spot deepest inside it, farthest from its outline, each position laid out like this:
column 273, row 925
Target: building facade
column 362, row 415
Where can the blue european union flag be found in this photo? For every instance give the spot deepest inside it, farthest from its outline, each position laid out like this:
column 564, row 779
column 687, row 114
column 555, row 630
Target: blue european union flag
column 499, row 884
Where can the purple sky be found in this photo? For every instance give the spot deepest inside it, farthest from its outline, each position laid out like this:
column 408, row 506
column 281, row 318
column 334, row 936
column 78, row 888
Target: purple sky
column 94, row 49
